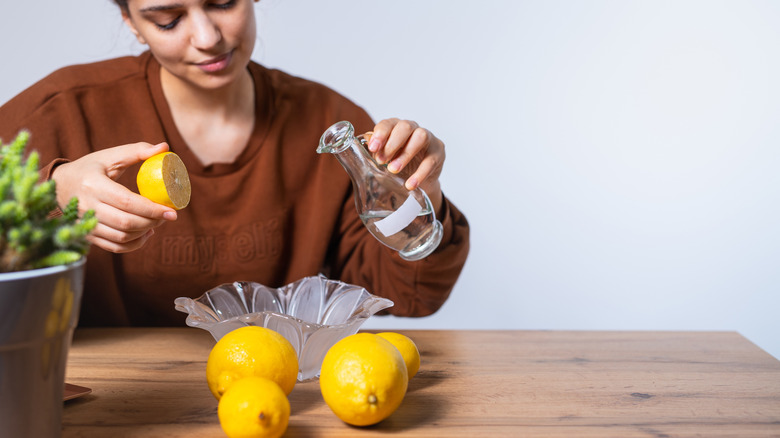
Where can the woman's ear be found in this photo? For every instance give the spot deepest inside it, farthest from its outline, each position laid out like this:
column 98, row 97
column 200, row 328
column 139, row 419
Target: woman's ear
column 129, row 22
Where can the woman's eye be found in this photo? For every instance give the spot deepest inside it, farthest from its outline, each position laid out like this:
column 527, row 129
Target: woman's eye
column 170, row 25
column 224, row 4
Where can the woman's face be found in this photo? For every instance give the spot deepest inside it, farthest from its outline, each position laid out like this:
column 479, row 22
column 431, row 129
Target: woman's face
column 206, row 43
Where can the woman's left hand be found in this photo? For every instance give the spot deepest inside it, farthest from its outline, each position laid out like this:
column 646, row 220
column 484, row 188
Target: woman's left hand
column 400, row 143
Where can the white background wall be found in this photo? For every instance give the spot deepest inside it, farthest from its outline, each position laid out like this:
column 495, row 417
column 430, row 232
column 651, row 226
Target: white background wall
column 618, row 160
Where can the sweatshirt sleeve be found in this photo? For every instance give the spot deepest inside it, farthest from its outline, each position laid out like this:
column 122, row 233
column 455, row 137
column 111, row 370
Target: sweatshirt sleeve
column 68, row 109
column 48, row 117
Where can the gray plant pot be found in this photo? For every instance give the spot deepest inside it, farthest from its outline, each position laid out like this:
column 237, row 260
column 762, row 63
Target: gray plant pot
column 38, row 313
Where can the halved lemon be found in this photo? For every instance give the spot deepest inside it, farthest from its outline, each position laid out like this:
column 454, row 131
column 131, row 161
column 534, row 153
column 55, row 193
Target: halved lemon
column 163, row 178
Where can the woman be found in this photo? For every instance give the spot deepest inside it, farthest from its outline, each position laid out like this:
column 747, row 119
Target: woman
column 265, row 207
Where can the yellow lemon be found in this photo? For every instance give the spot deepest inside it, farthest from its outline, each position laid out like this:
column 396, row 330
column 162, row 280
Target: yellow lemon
column 254, row 407
column 251, row 351
column 163, row 178
column 363, row 379
column 408, row 350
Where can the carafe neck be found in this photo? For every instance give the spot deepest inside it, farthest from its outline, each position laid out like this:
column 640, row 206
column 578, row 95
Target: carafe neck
column 340, row 140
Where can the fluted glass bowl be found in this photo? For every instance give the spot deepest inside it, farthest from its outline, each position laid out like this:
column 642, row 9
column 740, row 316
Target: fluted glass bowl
column 312, row 313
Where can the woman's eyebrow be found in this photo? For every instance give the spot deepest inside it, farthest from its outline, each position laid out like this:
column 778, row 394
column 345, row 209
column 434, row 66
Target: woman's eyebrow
column 162, row 7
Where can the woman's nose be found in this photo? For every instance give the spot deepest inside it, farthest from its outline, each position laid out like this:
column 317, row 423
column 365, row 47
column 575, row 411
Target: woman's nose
column 205, row 32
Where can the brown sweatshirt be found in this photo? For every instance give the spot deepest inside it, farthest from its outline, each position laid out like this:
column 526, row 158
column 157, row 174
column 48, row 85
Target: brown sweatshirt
column 280, row 212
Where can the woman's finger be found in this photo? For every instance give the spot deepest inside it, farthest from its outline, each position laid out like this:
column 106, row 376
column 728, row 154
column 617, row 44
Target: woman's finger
column 123, row 221
column 380, row 134
column 416, row 146
column 125, row 200
column 103, row 231
column 117, row 247
column 115, row 160
column 429, row 169
column 398, row 139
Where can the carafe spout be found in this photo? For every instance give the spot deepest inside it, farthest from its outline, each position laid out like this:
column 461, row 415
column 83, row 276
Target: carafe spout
column 336, row 138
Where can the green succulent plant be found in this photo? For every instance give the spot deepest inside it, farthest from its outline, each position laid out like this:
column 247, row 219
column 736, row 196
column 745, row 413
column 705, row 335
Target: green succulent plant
column 31, row 236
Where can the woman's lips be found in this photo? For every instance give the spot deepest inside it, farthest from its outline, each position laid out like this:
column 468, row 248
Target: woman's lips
column 217, row 64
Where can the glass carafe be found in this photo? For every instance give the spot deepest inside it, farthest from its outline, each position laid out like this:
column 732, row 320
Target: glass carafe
column 403, row 220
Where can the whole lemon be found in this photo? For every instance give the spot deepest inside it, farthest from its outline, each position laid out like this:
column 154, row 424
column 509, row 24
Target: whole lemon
column 254, row 407
column 363, row 379
column 408, row 350
column 251, row 351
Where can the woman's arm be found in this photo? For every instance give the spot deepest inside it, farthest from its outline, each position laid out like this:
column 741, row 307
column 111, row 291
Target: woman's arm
column 126, row 220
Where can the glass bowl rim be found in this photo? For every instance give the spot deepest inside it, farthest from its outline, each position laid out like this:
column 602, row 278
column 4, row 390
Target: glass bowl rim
column 184, row 304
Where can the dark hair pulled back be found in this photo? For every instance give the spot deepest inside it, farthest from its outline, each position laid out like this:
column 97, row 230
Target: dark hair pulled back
column 122, row 5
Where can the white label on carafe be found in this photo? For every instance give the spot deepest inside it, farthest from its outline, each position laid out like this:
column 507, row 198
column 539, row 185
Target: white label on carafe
column 399, row 219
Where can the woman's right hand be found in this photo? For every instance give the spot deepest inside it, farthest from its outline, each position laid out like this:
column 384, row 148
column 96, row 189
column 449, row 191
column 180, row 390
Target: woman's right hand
column 126, row 220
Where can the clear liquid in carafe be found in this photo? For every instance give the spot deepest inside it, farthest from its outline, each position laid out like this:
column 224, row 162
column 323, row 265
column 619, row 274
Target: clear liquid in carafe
column 411, row 239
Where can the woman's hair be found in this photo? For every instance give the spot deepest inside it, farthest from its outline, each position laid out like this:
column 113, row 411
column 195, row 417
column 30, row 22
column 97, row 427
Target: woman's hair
column 122, row 5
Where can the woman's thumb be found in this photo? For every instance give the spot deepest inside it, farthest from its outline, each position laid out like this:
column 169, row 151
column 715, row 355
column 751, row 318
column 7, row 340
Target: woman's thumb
column 119, row 158
column 147, row 150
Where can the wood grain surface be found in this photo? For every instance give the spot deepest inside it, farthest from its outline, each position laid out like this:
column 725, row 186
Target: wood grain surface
column 151, row 383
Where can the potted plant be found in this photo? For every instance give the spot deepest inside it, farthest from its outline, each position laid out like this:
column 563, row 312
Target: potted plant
column 42, row 258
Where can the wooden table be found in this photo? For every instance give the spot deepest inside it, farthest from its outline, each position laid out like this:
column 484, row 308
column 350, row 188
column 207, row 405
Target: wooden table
column 151, row 382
